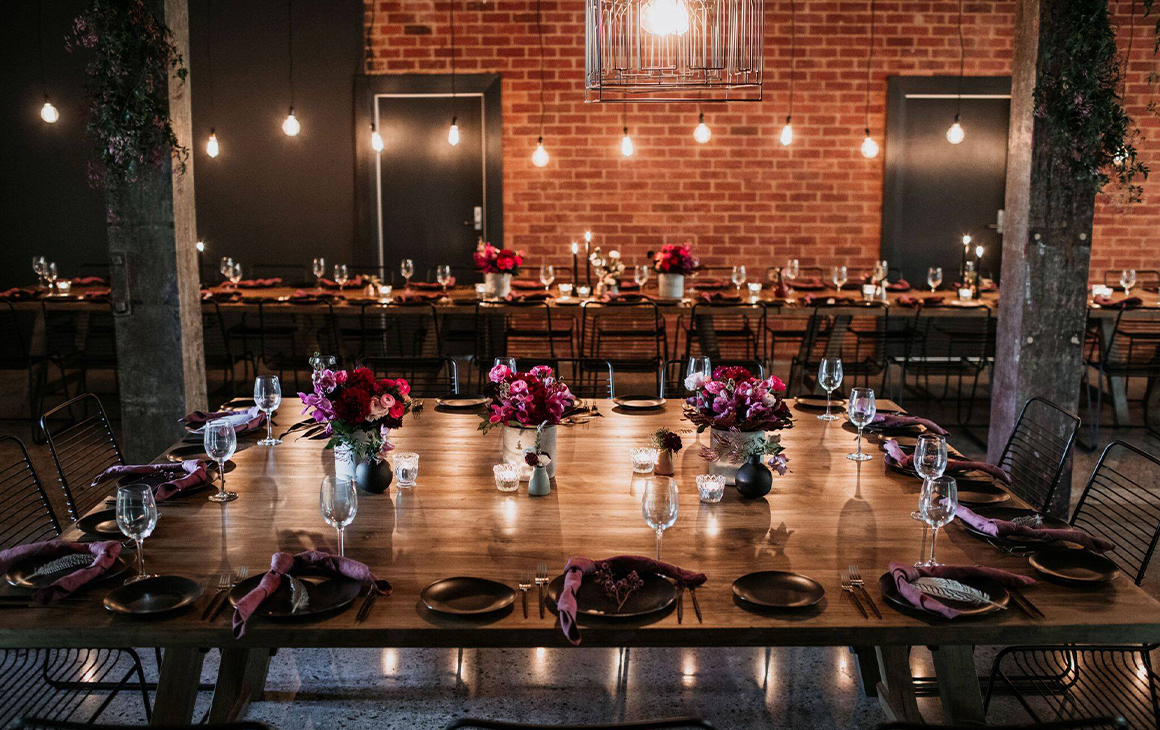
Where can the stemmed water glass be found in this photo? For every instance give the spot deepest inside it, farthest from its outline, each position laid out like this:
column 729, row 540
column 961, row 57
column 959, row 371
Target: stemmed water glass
column 319, row 269
column 38, row 265
column 861, row 408
column 319, row 363
column 930, row 461
column 508, row 362
column 268, row 396
column 660, row 506
column 938, row 503
column 137, row 516
column 1127, row 280
column 443, row 276
column 791, row 271
column 640, row 275
column 226, row 266
column 698, row 364
column 830, row 378
column 934, row 278
column 738, row 277
column 341, row 275
column 407, row 269
column 235, row 274
column 50, row 275
column 547, row 276
column 838, row 276
column 220, row 442
column 338, row 500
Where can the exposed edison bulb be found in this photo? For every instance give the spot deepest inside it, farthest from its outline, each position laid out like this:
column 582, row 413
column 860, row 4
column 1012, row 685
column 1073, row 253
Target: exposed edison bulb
column 376, row 140
column 48, row 112
column 956, row 134
column 626, row 147
column 702, row 132
column 786, row 134
column 453, row 133
column 291, row 126
column 966, row 240
column 200, row 246
column 212, row 148
column 978, row 252
column 869, row 146
column 665, row 17
column 540, row 156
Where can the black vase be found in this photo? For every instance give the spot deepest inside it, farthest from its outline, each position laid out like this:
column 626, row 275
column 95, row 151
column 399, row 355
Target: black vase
column 372, row 477
column 754, row 479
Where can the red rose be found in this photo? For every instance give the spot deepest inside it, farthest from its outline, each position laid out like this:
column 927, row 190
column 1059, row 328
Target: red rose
column 362, row 378
column 396, row 411
column 403, row 386
column 340, row 377
column 352, row 406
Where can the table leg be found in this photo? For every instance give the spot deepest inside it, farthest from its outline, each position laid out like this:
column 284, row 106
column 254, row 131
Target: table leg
column 896, row 691
column 1117, row 386
column 868, row 669
column 177, row 686
column 958, row 684
column 241, row 679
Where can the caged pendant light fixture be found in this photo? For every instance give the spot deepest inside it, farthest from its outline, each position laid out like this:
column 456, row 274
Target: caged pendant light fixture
column 673, row 50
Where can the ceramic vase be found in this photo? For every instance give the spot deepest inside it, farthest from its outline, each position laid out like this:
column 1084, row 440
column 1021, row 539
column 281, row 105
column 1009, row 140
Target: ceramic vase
column 664, row 465
column 497, row 286
column 753, row 478
column 370, row 476
column 517, row 440
column 725, row 466
column 540, row 484
column 671, row 286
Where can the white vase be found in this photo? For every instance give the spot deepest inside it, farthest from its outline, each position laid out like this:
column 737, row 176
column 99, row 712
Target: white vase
column 497, row 286
column 726, row 466
column 518, row 440
column 344, row 462
column 671, row 286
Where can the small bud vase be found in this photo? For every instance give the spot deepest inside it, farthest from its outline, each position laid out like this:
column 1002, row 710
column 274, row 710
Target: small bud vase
column 540, row 485
column 664, row 465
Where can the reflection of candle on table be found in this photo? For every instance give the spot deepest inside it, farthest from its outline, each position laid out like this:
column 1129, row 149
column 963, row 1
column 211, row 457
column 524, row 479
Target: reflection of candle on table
column 587, row 260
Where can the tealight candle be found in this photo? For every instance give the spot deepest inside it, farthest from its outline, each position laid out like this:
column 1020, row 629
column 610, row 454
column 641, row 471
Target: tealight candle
column 965, row 294
column 643, row 459
column 710, row 487
column 583, row 292
column 406, row 468
column 754, row 291
column 507, row 477
column 566, row 291
column 868, row 292
column 480, row 291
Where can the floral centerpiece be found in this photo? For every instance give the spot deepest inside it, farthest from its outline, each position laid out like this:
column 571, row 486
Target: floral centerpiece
column 529, row 405
column 673, row 263
column 666, row 443
column 498, row 266
column 609, row 269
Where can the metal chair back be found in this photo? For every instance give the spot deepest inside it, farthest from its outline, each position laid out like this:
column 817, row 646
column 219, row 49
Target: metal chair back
column 673, row 374
column 81, row 451
column 587, row 378
column 28, row 515
column 725, row 330
column 429, row 377
column 1037, row 450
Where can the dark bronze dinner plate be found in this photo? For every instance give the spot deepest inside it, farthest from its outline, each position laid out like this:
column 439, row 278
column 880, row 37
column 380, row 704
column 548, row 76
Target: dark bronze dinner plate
column 994, row 591
column 818, row 403
column 657, row 594
column 461, row 402
column 21, row 574
column 778, row 589
column 1075, row 566
column 638, row 402
column 467, row 596
column 102, row 522
column 327, row 593
column 159, row 594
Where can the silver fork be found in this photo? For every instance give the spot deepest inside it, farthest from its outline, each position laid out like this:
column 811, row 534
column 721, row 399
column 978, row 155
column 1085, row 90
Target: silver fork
column 525, row 586
column 541, row 581
column 857, row 582
column 223, row 586
column 239, row 576
column 849, row 588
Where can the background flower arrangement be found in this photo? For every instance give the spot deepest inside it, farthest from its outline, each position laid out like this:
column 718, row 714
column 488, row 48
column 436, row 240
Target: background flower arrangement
column 491, row 260
column 675, row 258
column 609, row 268
column 359, row 411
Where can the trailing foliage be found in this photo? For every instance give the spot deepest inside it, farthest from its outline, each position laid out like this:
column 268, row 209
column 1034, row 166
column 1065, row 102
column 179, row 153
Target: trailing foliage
column 133, row 57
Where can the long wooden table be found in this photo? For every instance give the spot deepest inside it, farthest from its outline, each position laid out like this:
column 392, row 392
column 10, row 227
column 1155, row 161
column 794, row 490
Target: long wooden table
column 826, row 514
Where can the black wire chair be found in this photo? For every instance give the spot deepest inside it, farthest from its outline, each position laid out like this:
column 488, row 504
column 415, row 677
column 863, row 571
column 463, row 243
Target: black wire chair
column 286, row 339
column 675, row 723
column 673, row 374
column 725, row 330
column 1132, row 350
column 1095, row 723
column 401, row 330
column 1037, row 451
column 629, row 335
column 429, row 377
column 1121, row 503
column 58, row 684
column 959, row 346
column 587, row 378
column 82, row 450
column 530, row 329
column 16, row 355
column 36, row 723
column 219, row 355
column 859, row 335
column 782, row 329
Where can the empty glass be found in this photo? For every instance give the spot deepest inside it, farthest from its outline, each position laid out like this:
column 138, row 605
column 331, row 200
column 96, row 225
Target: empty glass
column 938, row 503
column 838, row 276
column 407, row 269
column 1127, row 280
column 507, row 476
column 710, row 487
column 640, row 275
column 643, row 459
column 791, row 270
column 738, row 277
column 406, row 468
column 226, row 266
column 50, row 275
column 660, row 506
column 698, row 364
column 319, row 269
column 268, row 396
column 338, row 501
column 507, row 362
column 547, row 276
column 861, row 409
column 443, row 276
column 38, row 265
column 934, row 277
column 235, row 274
column 830, row 378
column 220, row 442
column 341, row 274
column 930, row 461
column 136, row 517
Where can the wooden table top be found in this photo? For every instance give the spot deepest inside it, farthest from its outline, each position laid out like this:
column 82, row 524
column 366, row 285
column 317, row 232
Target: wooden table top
column 827, row 513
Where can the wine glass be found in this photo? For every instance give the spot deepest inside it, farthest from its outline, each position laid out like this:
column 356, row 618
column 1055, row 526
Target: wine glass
column 268, row 396
column 319, row 269
column 50, row 275
column 659, row 506
column 338, row 500
column 407, row 269
column 861, row 409
column 738, row 277
column 508, row 362
column 791, row 271
column 235, row 273
column 838, row 275
column 226, row 266
column 220, row 441
column 934, row 277
column 1127, row 280
column 698, row 364
column 930, row 461
column 443, row 276
column 830, row 378
column 547, row 276
column 319, row 363
column 938, row 502
column 341, row 275
column 38, row 265
column 137, row 516
column 640, row 275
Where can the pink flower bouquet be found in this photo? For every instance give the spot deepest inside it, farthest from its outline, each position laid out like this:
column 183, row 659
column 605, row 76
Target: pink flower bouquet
column 675, row 258
column 358, row 410
column 528, row 399
column 734, row 400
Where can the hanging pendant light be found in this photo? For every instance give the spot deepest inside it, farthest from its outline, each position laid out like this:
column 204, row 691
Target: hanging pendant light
column 49, row 113
column 701, row 132
column 540, row 156
column 376, row 140
column 786, row 136
column 212, row 148
column 665, row 17
column 955, row 133
column 291, row 126
column 869, row 147
column 626, row 147
column 453, row 132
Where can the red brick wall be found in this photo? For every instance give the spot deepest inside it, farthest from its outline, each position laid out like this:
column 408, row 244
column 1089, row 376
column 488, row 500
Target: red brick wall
column 742, row 196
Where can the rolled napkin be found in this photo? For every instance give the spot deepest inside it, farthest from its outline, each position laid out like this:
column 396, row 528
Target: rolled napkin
column 417, row 297
column 1006, row 528
column 88, row 281
column 1127, row 303
column 431, row 285
column 242, row 421
column 717, row 297
column 104, row 555
column 529, row 296
column 187, row 474
column 895, row 456
column 899, row 420
column 928, row 301
column 903, row 575
column 526, row 284
column 811, row 299
column 814, row 284
column 704, row 284
column 259, row 283
column 16, row 294
column 578, row 567
column 355, row 283
column 286, row 564
column 900, row 285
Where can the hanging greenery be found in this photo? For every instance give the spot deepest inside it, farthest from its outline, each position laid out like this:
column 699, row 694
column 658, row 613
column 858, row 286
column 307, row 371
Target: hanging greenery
column 1079, row 100
column 133, row 57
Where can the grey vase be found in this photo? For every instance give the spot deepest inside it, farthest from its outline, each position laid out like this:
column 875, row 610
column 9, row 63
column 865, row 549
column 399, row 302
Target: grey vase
column 754, row 479
column 540, row 485
column 372, row 477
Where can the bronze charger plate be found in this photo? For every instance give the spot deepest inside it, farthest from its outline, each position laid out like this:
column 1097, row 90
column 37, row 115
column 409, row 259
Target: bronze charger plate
column 978, row 491
column 153, row 595
column 102, row 522
column 994, row 591
column 1074, row 566
column 461, row 402
column 638, row 402
column 818, row 402
column 21, row 574
column 327, row 593
column 657, row 594
column 467, row 596
column 778, row 589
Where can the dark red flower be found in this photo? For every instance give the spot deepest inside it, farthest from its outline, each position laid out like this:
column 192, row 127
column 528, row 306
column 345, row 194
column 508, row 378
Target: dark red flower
column 352, row 405
column 735, row 373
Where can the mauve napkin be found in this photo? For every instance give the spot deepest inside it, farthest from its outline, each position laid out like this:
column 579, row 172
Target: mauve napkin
column 259, row 283
column 104, row 554
column 529, row 296
column 184, row 475
column 898, row 420
column 431, row 285
column 716, row 297
column 903, row 575
column 16, row 294
column 1109, row 303
column 578, row 567
column 242, row 421
column 88, row 281
column 900, row 285
column 629, row 286
column 1006, row 528
column 526, row 284
column 301, row 295
column 896, row 457
column 814, row 284
column 811, row 299
column 928, row 301
column 285, row 564
column 630, row 297
column 355, row 283
column 416, row 297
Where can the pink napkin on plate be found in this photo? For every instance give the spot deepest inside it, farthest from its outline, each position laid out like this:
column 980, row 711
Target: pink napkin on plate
column 899, row 420
column 903, row 575
column 259, row 283
column 1126, row 303
column 104, row 554
column 703, row 284
column 88, row 281
column 431, row 285
column 928, row 301
column 578, row 567
column 526, row 284
column 355, row 283
column 813, row 284
column 16, row 294
column 895, row 456
column 717, row 297
column 529, row 296
column 286, row 564
column 900, row 285
column 243, row 421
column 183, row 475
column 811, row 299
column 1006, row 528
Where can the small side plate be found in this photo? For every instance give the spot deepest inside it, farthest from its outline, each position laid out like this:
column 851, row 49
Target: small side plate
column 638, row 402
column 461, row 402
column 1075, row 566
column 980, row 492
column 778, row 589
column 467, row 596
column 159, row 594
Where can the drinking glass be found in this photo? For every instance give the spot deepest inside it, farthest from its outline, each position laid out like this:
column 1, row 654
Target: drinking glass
column 226, row 266
column 830, row 378
column 507, row 476
column 38, row 265
column 1127, row 280
column 698, row 364
column 268, row 396
column 934, row 277
column 659, row 506
column 838, row 275
column 318, row 363
column 643, row 459
column 640, row 275
column 137, row 516
column 508, row 362
column 930, row 461
column 319, row 269
column 937, row 503
column 710, row 488
column 791, row 269
column 235, row 273
column 50, row 275
column 738, row 277
column 220, row 442
column 406, row 468
column 861, row 409
column 547, row 276
column 339, row 503
column 341, row 274
column 407, row 269
column 443, row 276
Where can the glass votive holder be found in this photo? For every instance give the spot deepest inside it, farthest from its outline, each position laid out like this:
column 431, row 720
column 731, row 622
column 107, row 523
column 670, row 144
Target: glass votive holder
column 64, row 287
column 583, row 292
column 385, row 291
column 406, row 468
column 507, row 477
column 754, row 291
column 965, row 294
column 480, row 291
column 710, row 487
column 566, row 291
column 643, row 459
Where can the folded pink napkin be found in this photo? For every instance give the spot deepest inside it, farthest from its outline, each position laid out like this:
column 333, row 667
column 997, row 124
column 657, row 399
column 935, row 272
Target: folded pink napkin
column 259, row 283
column 814, row 284
column 900, row 285
column 286, row 564
column 717, row 297
column 243, row 421
column 1006, row 528
column 811, row 299
column 301, row 295
column 104, row 555
column 895, row 456
column 526, row 284
column 183, row 475
column 1126, row 303
column 578, row 567
column 417, row 297
column 529, row 296
column 88, row 281
column 629, row 286
column 904, row 575
column 355, row 283
column 898, row 420
column 431, row 285
column 929, row 301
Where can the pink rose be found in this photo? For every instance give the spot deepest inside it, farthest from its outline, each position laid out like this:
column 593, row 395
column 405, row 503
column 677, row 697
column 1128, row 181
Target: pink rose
column 498, row 373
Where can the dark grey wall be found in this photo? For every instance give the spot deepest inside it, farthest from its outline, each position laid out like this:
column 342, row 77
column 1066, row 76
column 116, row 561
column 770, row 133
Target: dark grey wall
column 266, row 198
